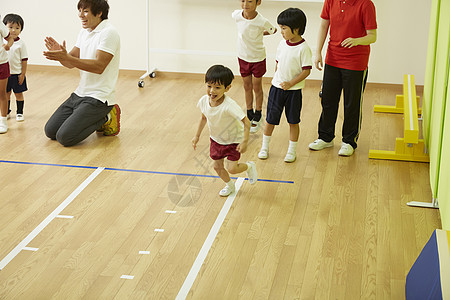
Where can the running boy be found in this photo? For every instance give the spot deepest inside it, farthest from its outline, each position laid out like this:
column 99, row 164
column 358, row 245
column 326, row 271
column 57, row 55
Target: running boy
column 252, row 26
column 294, row 64
column 18, row 58
column 4, row 74
column 228, row 127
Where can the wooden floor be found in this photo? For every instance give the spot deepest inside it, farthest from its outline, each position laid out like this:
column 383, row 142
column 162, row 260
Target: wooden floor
column 324, row 227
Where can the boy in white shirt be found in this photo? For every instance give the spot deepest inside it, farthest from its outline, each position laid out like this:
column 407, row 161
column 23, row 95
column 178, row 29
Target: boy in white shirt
column 294, row 64
column 228, row 126
column 18, row 61
column 252, row 26
column 4, row 74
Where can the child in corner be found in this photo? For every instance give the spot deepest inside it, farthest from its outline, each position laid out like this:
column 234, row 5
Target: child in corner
column 4, row 74
column 228, row 127
column 252, row 26
column 18, row 58
column 294, row 64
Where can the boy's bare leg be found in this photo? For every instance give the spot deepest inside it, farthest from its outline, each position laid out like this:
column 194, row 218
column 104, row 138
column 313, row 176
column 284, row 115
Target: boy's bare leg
column 268, row 129
column 220, row 170
column 294, row 132
column 257, row 88
column 248, row 88
column 3, row 98
column 234, row 167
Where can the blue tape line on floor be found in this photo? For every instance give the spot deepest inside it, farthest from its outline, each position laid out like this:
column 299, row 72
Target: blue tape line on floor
column 134, row 171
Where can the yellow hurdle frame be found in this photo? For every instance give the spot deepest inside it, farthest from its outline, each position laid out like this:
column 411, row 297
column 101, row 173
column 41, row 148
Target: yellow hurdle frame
column 410, row 147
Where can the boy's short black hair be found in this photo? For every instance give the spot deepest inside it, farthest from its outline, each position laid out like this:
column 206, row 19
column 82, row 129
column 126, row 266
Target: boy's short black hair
column 295, row 18
column 96, row 7
column 14, row 19
column 219, row 74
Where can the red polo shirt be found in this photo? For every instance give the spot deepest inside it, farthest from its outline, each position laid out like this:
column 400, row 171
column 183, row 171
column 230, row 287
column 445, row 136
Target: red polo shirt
column 348, row 18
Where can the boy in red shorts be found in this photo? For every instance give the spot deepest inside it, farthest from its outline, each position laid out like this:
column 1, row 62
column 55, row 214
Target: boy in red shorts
column 228, row 126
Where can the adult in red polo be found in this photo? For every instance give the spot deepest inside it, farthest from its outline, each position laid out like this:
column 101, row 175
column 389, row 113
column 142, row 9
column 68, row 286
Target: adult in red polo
column 353, row 27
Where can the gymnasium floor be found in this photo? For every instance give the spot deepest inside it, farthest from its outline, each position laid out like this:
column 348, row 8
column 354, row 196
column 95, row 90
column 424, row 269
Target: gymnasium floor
column 138, row 216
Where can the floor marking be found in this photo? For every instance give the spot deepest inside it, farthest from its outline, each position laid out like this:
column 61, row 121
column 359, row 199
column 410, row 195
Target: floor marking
column 159, row 230
column 127, row 276
column 144, row 252
column 170, row 212
column 187, row 285
column 47, row 220
column 64, row 217
column 30, row 249
column 136, row 171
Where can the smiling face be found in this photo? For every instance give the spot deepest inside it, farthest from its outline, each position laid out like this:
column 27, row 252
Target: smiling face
column 14, row 29
column 216, row 92
column 249, row 7
column 88, row 19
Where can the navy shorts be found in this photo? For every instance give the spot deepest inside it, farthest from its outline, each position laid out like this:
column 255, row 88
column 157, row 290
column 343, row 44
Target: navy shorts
column 258, row 69
column 290, row 101
column 218, row 151
column 13, row 84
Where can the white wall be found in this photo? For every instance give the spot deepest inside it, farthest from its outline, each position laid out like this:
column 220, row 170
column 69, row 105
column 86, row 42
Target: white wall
column 205, row 31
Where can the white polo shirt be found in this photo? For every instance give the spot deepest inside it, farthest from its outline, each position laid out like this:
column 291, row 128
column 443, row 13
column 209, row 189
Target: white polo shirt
column 292, row 59
column 250, row 36
column 224, row 121
column 17, row 54
column 99, row 86
column 4, row 32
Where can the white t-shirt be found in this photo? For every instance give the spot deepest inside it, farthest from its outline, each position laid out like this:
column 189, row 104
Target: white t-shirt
column 224, row 121
column 292, row 59
column 99, row 86
column 250, row 36
column 4, row 32
column 17, row 54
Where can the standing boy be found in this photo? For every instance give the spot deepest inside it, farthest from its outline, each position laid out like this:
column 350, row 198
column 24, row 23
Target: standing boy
column 228, row 127
column 96, row 54
column 18, row 60
column 252, row 26
column 294, row 64
column 353, row 27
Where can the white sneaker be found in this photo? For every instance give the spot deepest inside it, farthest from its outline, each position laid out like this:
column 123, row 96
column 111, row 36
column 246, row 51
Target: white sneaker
column 263, row 153
column 3, row 125
column 346, row 150
column 320, row 144
column 227, row 191
column 251, row 172
column 20, row 118
column 290, row 157
column 255, row 126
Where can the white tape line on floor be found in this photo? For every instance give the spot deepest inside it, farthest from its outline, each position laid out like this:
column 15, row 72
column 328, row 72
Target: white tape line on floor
column 47, row 220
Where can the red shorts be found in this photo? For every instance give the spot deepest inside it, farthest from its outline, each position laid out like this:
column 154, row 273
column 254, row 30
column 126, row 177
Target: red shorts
column 258, row 69
column 218, row 151
column 4, row 71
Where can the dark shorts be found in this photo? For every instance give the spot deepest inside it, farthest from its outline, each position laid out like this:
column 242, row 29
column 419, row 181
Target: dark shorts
column 13, row 84
column 218, row 151
column 4, row 71
column 258, row 69
column 290, row 101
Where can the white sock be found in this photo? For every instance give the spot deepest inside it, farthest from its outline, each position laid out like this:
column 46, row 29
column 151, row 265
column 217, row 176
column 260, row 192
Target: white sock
column 4, row 120
column 292, row 146
column 230, row 183
column 265, row 142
